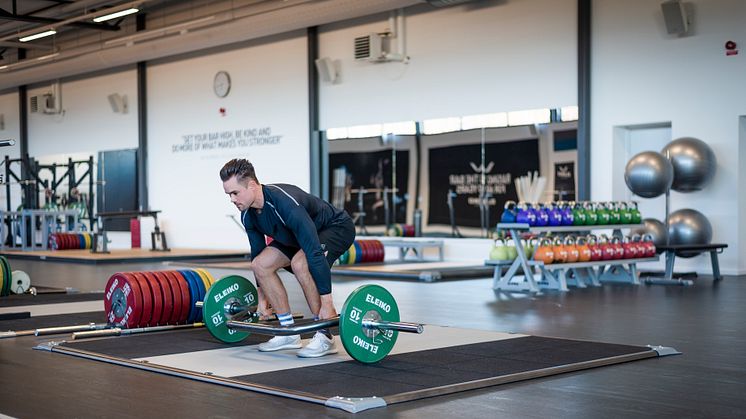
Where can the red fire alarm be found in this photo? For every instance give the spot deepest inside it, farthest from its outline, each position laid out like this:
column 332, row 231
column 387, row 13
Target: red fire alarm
column 731, row 48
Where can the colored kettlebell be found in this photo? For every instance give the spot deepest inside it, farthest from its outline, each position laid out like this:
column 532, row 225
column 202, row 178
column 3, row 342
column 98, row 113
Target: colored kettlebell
column 499, row 251
column 602, row 213
column 542, row 215
column 530, row 248
column 615, row 217
column 650, row 249
column 509, row 213
column 607, row 249
column 560, row 253
column 578, row 214
column 625, row 213
column 635, row 212
column 567, row 218
column 526, row 215
column 572, row 251
column 591, row 218
column 555, row 215
column 596, row 253
column 544, row 252
column 616, row 244
column 630, row 248
column 512, row 251
column 584, row 252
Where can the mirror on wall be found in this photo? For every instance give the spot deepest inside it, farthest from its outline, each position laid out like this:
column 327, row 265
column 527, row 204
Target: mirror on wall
column 454, row 183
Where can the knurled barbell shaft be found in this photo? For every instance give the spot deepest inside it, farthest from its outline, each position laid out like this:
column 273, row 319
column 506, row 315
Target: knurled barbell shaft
column 398, row 326
column 262, row 329
column 69, row 329
column 251, row 311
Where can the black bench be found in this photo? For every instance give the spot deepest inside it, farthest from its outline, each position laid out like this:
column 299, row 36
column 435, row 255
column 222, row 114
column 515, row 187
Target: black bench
column 687, row 250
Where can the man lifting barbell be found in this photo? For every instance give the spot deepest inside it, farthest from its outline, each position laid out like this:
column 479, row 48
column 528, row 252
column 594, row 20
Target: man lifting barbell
column 308, row 234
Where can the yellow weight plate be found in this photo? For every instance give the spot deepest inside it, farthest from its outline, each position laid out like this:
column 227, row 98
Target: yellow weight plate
column 87, row 238
column 203, row 277
column 207, row 274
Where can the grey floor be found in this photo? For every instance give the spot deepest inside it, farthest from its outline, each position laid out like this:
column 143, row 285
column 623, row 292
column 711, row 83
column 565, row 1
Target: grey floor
column 705, row 322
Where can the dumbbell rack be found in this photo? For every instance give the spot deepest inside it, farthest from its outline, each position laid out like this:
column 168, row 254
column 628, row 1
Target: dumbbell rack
column 555, row 276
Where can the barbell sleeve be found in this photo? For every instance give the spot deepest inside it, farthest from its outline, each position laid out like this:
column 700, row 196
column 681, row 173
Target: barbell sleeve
column 398, row 326
column 117, row 331
column 69, row 329
column 263, row 329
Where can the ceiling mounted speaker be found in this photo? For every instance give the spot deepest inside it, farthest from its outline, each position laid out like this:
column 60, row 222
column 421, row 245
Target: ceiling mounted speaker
column 674, row 15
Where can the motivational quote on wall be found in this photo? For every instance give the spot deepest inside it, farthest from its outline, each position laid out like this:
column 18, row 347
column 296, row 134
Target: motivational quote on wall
column 228, row 139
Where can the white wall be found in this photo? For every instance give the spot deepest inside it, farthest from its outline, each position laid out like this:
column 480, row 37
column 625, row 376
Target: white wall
column 87, row 123
column 472, row 59
column 642, row 75
column 741, row 188
column 269, row 92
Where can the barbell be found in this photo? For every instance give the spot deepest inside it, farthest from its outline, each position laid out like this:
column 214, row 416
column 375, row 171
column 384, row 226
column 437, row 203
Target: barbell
column 368, row 322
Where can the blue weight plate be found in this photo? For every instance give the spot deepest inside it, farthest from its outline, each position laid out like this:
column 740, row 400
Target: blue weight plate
column 193, row 296
column 201, row 288
column 358, row 252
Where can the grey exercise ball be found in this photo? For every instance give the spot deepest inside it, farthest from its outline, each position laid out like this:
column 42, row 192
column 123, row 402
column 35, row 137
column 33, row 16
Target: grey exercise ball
column 688, row 226
column 693, row 161
column 655, row 228
column 648, row 174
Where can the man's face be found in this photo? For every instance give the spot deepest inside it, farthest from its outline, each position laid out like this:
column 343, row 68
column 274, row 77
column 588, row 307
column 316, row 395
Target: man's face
column 242, row 196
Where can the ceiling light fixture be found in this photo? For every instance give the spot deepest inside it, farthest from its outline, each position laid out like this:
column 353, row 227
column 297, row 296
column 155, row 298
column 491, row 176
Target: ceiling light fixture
column 115, row 15
column 37, row 35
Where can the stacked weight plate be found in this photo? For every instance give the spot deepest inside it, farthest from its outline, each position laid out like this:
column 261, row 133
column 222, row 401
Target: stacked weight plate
column 65, row 241
column 143, row 299
column 401, row 230
column 6, row 277
column 363, row 251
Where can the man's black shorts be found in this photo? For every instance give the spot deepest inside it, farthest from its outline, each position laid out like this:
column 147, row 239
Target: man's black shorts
column 335, row 240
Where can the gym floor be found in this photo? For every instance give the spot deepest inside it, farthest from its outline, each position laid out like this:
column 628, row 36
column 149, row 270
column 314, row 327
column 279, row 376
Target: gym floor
column 705, row 322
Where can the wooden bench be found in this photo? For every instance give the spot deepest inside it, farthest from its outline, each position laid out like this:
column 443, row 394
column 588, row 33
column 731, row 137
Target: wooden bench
column 687, row 250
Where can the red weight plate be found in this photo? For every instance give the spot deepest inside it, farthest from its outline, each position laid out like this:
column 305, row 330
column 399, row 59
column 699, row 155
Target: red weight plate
column 76, row 241
column 159, row 299
column 184, row 291
column 366, row 251
column 380, row 251
column 123, row 301
column 69, row 241
column 147, row 299
column 369, row 251
column 173, row 285
column 61, row 238
column 168, row 298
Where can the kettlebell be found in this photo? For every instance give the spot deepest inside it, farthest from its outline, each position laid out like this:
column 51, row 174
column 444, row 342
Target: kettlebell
column 635, row 212
column 578, row 214
column 584, row 252
column 572, row 251
column 512, row 251
column 596, row 253
column 509, row 213
column 607, row 249
column 616, row 244
column 630, row 248
column 602, row 213
column 542, row 216
column 591, row 218
column 499, row 251
column 525, row 216
column 560, row 253
column 544, row 252
column 530, row 248
column 625, row 213
column 649, row 246
column 567, row 218
column 555, row 216
column 615, row 217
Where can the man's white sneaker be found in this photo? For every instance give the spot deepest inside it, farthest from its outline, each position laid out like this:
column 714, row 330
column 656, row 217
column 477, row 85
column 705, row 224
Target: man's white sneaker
column 279, row 343
column 320, row 345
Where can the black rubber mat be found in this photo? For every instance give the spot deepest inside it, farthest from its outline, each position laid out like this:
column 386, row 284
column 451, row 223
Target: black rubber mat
column 29, row 300
column 56, row 320
column 354, row 386
column 439, row 367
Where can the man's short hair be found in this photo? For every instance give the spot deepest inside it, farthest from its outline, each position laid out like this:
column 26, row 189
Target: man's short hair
column 242, row 169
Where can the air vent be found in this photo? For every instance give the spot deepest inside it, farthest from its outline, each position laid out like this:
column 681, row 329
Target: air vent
column 34, row 104
column 369, row 47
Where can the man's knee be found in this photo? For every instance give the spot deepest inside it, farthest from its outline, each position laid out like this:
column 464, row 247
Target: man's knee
column 263, row 267
column 299, row 263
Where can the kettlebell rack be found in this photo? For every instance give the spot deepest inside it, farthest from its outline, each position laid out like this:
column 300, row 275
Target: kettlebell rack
column 559, row 275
